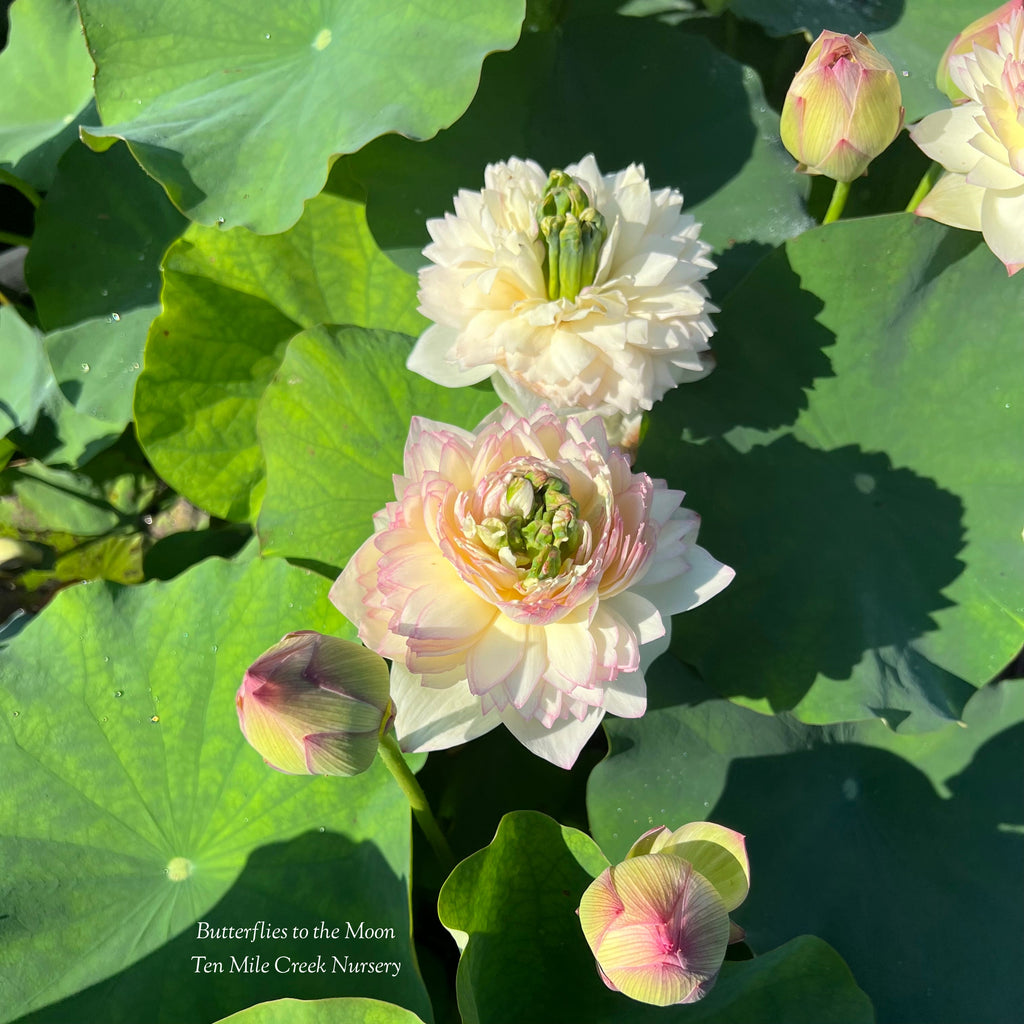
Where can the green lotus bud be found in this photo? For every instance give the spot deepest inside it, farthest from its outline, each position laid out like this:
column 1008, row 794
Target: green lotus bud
column 315, row 705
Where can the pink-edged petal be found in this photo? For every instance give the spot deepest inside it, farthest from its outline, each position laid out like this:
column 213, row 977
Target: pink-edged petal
column 432, row 719
column 562, row 743
column 954, row 202
column 430, row 358
column 946, row 136
column 496, row 654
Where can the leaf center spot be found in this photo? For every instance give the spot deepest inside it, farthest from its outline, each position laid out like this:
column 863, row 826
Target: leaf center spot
column 323, row 39
column 178, row 869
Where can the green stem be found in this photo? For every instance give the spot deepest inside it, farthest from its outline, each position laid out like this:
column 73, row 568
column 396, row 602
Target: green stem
column 391, row 755
column 9, row 238
column 924, row 186
column 7, row 178
column 835, row 208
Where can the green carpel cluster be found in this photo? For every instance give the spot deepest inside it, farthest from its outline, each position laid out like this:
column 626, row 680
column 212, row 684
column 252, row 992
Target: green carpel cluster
column 573, row 232
column 541, row 529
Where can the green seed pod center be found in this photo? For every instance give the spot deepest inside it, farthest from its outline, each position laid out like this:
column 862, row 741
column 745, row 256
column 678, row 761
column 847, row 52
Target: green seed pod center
column 573, row 232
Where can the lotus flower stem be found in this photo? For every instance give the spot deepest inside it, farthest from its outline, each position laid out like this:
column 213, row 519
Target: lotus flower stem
column 835, row 207
column 391, row 755
column 924, row 186
column 7, row 178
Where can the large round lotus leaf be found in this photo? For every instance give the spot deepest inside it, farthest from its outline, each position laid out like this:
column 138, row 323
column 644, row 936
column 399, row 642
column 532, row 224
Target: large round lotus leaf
column 512, row 909
column 323, row 1011
column 45, row 75
column 100, row 234
column 231, row 300
column 333, row 426
column 542, row 101
column 856, row 459
column 913, row 34
column 900, row 851
column 238, row 110
column 133, row 809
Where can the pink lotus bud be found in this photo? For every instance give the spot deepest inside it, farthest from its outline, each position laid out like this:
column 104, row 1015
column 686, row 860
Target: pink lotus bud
column 843, row 107
column 983, row 33
column 315, row 705
column 657, row 928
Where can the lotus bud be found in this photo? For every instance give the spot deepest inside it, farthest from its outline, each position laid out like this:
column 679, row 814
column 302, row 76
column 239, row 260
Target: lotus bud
column 984, row 34
column 658, row 923
column 315, row 705
column 657, row 928
column 843, row 107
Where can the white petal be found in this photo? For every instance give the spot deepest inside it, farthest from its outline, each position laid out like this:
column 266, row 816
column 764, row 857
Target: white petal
column 430, row 719
column 429, row 358
column 562, row 743
column 1002, row 221
column 705, row 578
column 946, row 136
column 642, row 615
column 954, row 202
column 627, row 695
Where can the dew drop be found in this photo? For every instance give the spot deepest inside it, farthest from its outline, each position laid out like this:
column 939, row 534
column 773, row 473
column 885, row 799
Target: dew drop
column 114, row 318
column 686, row 753
column 103, row 719
column 154, row 718
column 851, row 789
column 864, row 482
column 707, row 803
column 86, row 367
column 104, row 292
column 322, row 829
column 106, row 658
column 220, row 220
column 905, row 74
column 147, row 520
column 15, row 714
column 119, row 693
column 134, row 366
column 184, row 636
column 245, row 821
column 266, row 35
column 214, row 648
column 142, row 257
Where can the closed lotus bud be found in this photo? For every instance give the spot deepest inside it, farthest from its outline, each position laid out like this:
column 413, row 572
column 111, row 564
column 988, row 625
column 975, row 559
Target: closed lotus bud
column 843, row 107
column 658, row 923
column 657, row 928
column 315, row 705
column 983, row 33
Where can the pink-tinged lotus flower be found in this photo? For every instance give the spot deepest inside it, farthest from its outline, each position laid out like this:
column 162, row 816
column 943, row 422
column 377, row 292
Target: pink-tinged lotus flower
column 576, row 289
column 980, row 142
column 658, row 923
column 515, row 578
column 315, row 705
column 843, row 107
column 984, row 33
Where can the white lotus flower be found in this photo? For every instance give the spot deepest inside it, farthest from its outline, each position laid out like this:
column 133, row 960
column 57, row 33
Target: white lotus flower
column 980, row 142
column 516, row 577
column 579, row 290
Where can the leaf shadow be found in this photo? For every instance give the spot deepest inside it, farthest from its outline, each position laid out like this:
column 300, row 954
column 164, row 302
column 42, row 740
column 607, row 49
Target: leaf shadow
column 916, row 892
column 288, row 884
column 832, row 563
